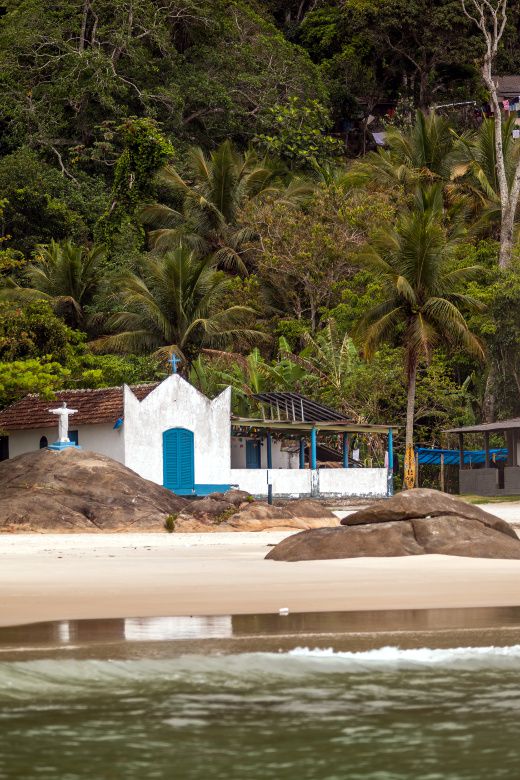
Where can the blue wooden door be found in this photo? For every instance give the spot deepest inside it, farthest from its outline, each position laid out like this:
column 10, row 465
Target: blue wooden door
column 252, row 454
column 179, row 460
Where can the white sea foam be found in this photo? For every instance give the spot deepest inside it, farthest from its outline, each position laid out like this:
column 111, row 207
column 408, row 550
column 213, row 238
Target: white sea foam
column 395, row 657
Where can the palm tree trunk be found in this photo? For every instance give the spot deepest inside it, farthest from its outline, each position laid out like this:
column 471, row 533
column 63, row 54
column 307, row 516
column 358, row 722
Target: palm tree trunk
column 410, row 476
column 410, row 406
column 488, row 403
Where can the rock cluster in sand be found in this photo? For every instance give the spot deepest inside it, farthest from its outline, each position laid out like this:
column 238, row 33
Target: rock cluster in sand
column 77, row 490
column 415, row 522
column 236, row 511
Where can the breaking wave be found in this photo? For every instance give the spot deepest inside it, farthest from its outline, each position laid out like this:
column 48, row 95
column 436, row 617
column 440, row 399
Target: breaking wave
column 63, row 677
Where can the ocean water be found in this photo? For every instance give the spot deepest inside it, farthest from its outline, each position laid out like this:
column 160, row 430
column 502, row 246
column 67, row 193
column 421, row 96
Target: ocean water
column 303, row 714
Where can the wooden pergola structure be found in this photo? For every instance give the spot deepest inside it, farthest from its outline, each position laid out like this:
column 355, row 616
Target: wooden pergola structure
column 308, row 430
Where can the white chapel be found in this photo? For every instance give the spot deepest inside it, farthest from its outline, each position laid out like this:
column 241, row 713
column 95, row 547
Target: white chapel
column 175, row 436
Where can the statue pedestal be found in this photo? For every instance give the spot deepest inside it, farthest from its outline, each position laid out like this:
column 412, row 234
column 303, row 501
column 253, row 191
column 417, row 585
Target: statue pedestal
column 58, row 446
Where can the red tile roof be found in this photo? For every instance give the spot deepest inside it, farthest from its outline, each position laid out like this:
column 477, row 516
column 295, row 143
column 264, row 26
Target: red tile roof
column 94, row 406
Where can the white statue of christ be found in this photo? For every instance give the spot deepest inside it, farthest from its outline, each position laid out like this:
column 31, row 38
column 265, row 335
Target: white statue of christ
column 63, row 422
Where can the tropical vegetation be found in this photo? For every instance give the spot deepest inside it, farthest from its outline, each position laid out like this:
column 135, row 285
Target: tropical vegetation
column 203, row 178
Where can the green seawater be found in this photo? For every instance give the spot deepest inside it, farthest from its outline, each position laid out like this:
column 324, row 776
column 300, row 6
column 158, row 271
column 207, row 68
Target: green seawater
column 384, row 714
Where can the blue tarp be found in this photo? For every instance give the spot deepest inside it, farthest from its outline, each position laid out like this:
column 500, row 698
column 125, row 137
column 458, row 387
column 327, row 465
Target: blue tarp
column 432, row 457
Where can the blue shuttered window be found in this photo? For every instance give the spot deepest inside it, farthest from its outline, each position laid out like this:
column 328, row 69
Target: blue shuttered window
column 179, row 460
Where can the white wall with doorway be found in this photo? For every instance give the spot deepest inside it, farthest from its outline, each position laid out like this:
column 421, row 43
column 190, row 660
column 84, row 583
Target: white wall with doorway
column 177, row 404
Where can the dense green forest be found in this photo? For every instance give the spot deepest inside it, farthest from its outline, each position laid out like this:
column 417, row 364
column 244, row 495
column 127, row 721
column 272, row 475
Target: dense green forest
column 200, row 176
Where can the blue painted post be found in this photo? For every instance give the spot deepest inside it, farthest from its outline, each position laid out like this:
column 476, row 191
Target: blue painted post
column 269, row 452
column 390, row 462
column 314, row 460
column 346, row 447
column 302, row 453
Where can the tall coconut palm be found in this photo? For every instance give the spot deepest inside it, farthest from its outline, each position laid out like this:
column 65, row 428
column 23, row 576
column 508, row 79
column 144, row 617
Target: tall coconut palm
column 176, row 303
column 411, row 155
column 67, row 275
column 422, row 305
column 212, row 195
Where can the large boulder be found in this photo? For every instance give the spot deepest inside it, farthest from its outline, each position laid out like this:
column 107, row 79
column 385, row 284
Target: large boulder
column 470, row 532
column 77, row 490
column 422, row 502
column 322, row 544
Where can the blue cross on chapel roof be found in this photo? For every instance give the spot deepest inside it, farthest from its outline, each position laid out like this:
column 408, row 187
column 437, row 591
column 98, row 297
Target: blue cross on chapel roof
column 174, row 361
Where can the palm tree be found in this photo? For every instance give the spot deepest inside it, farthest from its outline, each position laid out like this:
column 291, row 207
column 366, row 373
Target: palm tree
column 67, row 275
column 216, row 190
column 411, row 155
column 175, row 304
column 422, row 306
column 474, row 168
column 329, row 359
column 252, row 374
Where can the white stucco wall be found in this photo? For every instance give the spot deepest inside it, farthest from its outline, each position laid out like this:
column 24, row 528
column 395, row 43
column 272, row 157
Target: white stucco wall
column 363, row 483
column 177, row 404
column 286, row 482
column 283, row 457
column 325, row 483
column 98, row 438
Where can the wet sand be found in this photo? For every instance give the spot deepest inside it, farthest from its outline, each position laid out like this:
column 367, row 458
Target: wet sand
column 66, row 577
column 166, row 637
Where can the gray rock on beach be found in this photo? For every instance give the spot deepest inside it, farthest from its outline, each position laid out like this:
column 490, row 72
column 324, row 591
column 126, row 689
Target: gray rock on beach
column 415, row 522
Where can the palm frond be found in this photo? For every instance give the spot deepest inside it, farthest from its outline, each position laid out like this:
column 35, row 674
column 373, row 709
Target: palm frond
column 159, row 216
column 176, row 299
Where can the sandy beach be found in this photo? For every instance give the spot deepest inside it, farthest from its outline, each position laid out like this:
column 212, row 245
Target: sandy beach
column 59, row 576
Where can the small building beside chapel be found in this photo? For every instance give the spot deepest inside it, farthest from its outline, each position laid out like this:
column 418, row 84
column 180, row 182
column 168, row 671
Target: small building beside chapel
column 172, row 434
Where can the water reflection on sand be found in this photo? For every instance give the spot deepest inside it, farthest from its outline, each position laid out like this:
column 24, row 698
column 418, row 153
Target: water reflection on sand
column 127, row 637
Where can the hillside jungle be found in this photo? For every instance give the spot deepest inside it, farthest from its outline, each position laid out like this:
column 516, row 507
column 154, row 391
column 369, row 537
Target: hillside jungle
column 203, row 177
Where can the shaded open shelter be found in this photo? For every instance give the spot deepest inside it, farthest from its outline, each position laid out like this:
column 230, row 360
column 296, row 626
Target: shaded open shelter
column 295, row 418
column 490, row 475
